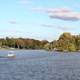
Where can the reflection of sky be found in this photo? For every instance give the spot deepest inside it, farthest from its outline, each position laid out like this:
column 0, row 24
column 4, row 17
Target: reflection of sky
column 25, row 18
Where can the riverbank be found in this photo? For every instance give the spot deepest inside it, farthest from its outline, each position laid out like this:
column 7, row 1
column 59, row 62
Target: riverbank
column 8, row 48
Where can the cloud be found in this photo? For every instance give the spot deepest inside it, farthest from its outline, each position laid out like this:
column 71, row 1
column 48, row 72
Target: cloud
column 50, row 10
column 12, row 22
column 8, row 21
column 57, row 27
column 62, row 14
column 68, row 16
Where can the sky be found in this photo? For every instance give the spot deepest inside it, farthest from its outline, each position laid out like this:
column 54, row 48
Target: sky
column 39, row 19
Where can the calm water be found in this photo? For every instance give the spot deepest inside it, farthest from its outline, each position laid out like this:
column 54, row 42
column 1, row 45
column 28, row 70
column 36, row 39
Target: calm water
column 40, row 65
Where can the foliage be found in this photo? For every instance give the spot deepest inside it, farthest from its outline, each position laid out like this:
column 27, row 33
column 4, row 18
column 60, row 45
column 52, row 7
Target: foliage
column 66, row 42
column 22, row 43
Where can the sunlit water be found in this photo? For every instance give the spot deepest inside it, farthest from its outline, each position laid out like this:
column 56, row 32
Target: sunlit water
column 40, row 65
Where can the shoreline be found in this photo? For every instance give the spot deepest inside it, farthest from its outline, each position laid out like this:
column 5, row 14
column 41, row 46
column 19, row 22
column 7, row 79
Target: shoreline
column 19, row 49
column 13, row 49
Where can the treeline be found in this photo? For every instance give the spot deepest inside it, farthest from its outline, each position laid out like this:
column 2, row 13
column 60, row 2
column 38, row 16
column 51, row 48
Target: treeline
column 21, row 43
column 66, row 42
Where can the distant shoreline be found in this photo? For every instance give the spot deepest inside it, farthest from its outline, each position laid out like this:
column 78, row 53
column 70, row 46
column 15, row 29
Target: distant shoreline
column 39, row 49
column 65, row 43
column 19, row 49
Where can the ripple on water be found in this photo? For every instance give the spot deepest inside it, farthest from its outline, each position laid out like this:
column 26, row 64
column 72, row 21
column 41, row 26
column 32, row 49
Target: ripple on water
column 43, row 67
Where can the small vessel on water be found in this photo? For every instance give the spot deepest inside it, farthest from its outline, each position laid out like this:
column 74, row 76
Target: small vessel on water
column 11, row 54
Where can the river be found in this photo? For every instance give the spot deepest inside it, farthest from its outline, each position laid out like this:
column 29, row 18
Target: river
column 40, row 65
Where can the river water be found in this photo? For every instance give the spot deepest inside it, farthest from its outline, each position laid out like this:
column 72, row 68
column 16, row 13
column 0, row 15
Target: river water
column 40, row 65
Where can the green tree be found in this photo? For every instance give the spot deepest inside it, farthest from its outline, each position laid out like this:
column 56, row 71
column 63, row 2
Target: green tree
column 71, row 47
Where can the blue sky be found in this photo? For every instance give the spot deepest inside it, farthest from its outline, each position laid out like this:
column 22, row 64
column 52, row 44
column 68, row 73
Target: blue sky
column 39, row 19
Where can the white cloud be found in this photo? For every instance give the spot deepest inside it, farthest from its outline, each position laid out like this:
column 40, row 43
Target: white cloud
column 12, row 22
column 63, row 28
column 70, row 16
column 8, row 21
column 62, row 14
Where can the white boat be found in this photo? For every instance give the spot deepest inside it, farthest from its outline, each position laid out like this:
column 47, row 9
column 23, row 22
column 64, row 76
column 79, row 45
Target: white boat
column 11, row 54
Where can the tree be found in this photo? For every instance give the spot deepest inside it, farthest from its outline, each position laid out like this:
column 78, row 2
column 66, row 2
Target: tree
column 11, row 42
column 20, row 43
column 71, row 47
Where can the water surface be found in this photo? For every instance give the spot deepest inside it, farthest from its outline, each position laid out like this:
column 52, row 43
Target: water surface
column 40, row 65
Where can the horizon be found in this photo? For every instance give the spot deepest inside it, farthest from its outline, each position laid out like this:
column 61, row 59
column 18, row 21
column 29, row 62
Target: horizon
column 41, row 20
column 36, row 38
